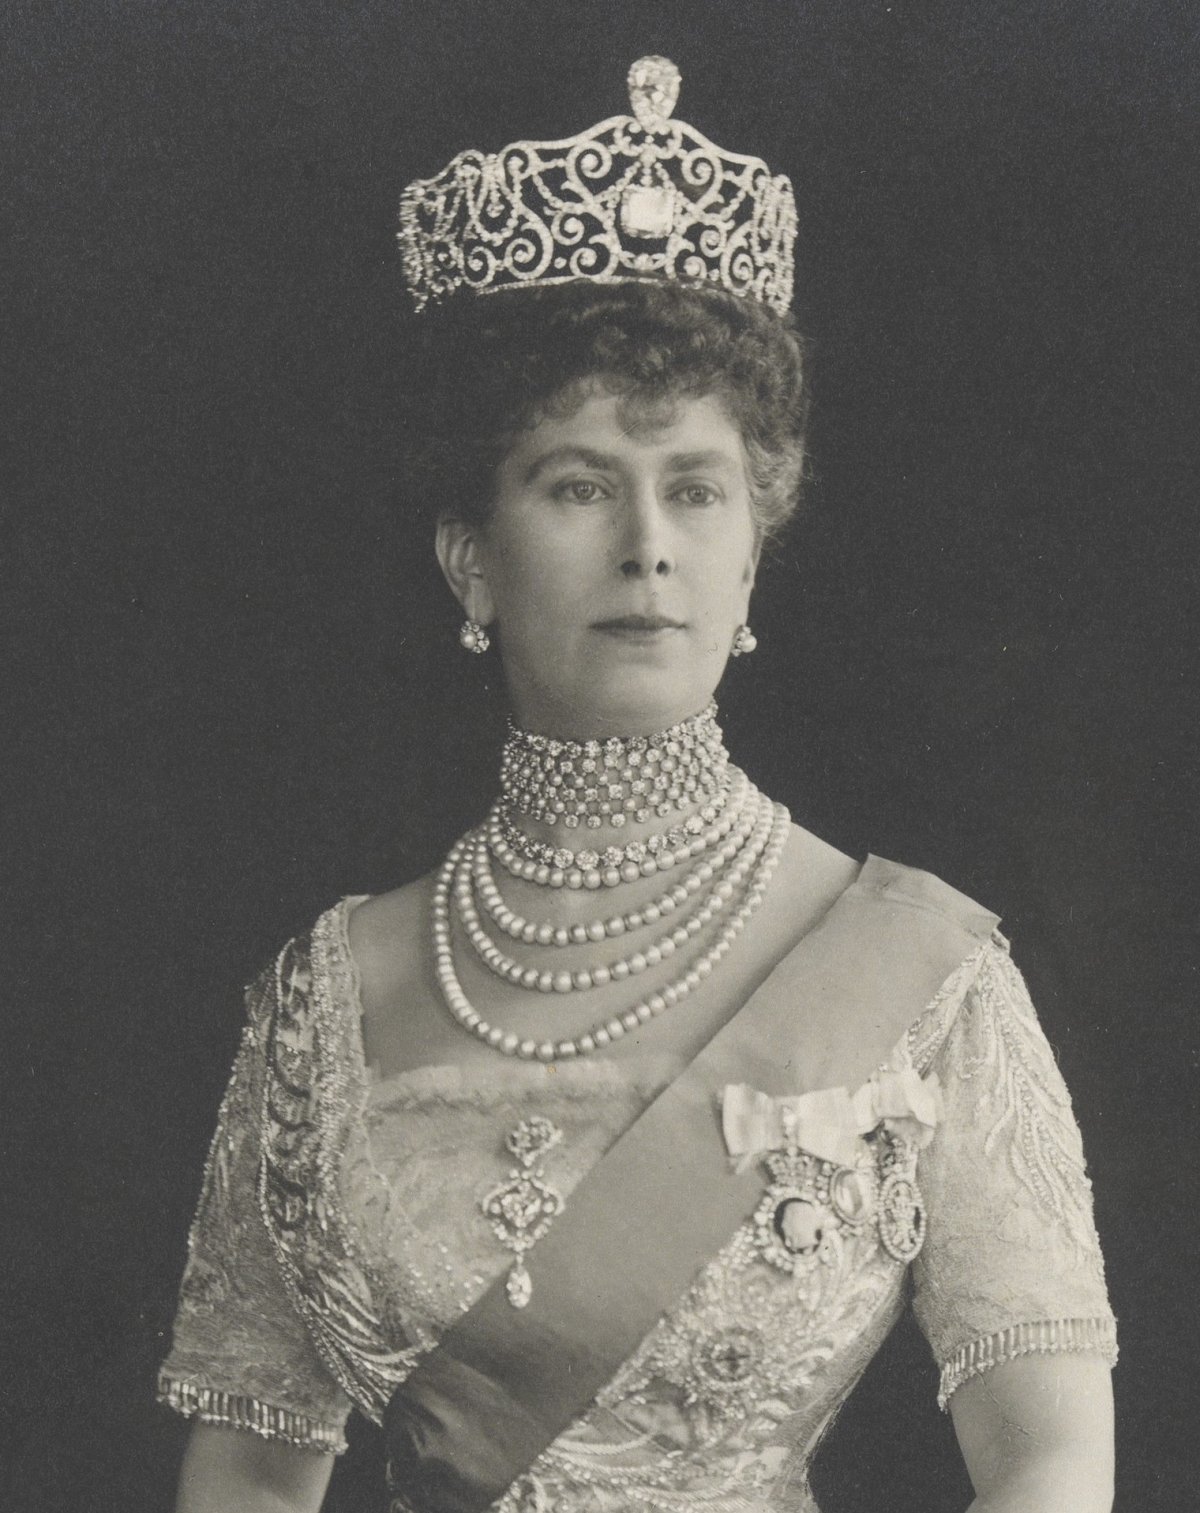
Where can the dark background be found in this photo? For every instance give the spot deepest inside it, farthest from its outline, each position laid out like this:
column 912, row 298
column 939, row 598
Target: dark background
column 237, row 692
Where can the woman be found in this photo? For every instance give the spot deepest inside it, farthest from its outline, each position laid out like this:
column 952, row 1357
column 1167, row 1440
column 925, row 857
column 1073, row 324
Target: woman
column 594, row 1165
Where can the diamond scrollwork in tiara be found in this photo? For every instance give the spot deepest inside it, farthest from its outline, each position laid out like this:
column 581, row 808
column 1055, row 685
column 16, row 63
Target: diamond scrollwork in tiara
column 637, row 196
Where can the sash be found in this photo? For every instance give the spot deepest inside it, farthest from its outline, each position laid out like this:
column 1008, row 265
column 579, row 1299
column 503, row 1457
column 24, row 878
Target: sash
column 502, row 1383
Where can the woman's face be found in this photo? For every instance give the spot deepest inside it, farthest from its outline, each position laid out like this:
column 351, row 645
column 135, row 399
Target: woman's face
column 616, row 564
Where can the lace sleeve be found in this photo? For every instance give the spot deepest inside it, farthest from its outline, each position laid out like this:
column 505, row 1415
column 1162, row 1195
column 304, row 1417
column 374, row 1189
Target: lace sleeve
column 241, row 1355
column 1011, row 1263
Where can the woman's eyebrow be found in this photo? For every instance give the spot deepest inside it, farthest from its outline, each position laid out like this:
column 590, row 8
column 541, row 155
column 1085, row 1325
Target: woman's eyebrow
column 686, row 462
column 588, row 457
column 571, row 453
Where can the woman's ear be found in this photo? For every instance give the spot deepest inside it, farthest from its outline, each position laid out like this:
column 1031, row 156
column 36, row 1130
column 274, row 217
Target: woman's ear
column 751, row 571
column 460, row 554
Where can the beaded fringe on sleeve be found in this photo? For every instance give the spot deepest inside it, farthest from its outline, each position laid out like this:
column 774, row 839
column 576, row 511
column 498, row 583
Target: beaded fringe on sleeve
column 1048, row 1337
column 232, row 1410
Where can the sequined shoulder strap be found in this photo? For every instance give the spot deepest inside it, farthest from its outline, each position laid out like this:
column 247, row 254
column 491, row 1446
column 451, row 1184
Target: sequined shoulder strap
column 503, row 1383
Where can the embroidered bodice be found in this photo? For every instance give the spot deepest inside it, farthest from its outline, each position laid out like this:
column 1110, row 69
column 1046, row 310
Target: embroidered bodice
column 341, row 1229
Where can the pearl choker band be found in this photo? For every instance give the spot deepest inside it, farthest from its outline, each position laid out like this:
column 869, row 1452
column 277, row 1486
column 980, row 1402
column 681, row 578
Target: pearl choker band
column 598, row 783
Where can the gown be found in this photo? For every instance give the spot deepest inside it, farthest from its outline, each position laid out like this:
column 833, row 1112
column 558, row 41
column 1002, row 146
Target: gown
column 341, row 1227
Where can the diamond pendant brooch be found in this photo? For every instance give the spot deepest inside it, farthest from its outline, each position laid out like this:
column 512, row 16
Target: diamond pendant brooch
column 523, row 1206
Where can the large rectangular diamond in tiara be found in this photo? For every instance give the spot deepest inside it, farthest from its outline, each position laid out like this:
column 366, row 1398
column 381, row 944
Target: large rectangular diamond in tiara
column 637, row 196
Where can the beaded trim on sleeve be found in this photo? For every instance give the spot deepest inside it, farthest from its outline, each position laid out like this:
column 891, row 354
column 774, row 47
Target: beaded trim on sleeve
column 310, row 1098
column 927, row 1033
column 232, row 1410
column 1045, row 1337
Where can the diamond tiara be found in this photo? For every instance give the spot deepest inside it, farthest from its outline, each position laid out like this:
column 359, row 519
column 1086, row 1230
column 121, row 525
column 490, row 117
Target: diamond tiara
column 635, row 197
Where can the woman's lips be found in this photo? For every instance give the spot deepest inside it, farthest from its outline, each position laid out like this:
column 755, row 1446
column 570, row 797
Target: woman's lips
column 639, row 627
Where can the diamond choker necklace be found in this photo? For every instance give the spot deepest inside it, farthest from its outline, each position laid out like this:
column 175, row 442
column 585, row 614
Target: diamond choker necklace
column 631, row 778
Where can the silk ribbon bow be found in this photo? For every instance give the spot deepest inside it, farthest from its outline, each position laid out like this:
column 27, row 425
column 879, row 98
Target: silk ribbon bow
column 829, row 1123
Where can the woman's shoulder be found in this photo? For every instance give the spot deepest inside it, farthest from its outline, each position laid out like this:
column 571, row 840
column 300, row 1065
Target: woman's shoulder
column 896, row 883
column 386, row 934
column 820, row 868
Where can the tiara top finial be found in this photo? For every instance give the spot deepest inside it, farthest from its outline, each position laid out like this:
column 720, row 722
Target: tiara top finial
column 653, row 90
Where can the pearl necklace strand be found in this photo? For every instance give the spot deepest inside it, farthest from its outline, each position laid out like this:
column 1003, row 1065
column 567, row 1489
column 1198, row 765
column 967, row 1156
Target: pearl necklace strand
column 603, row 1033
column 534, row 933
column 528, row 849
column 547, row 981
column 589, row 869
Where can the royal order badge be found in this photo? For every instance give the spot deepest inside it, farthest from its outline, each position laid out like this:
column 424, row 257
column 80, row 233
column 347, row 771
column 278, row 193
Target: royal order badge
column 800, row 1219
column 812, row 1205
column 902, row 1210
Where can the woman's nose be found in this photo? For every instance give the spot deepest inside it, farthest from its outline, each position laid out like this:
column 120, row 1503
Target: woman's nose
column 646, row 549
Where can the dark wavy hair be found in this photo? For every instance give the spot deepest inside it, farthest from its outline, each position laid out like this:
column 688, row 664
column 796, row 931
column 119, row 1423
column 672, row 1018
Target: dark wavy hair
column 498, row 363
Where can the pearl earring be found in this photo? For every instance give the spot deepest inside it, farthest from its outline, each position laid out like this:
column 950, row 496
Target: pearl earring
column 744, row 641
column 473, row 638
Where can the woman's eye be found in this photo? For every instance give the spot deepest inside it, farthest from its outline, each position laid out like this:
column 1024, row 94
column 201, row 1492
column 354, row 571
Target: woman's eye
column 579, row 491
column 698, row 493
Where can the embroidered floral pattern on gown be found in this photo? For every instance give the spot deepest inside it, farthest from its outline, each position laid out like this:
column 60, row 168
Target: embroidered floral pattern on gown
column 339, row 1231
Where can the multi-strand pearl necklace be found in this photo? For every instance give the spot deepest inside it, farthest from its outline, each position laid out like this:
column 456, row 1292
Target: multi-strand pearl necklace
column 604, row 1032
column 544, row 934
column 547, row 981
column 736, row 837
